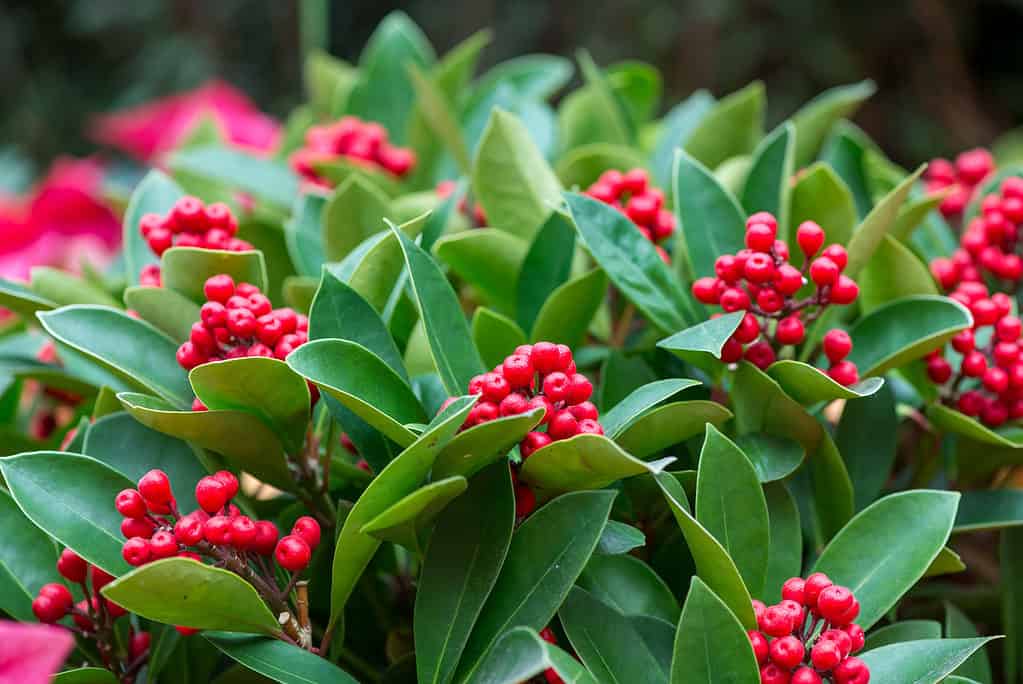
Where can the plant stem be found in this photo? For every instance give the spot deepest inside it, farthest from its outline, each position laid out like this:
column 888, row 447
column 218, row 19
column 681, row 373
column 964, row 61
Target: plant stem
column 621, row 332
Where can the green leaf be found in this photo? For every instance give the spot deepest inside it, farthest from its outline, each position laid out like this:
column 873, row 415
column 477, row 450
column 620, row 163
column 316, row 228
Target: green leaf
column 267, row 179
column 760, row 405
column 354, row 212
column 625, row 412
column 278, row 660
column 957, row 625
column 868, row 236
column 303, row 234
column 171, row 313
column 619, row 537
column 533, row 77
column 363, row 383
column 702, row 343
column 809, row 385
column 866, row 437
column 185, row 269
column 384, row 92
column 712, row 222
column 28, row 560
column 474, row 449
column 1010, row 553
column 670, row 424
column 547, row 553
column 989, row 510
column 950, row 420
column 606, row 641
column 21, row 300
column 238, row 435
column 569, row 310
column 901, row 331
column 118, row 440
column 713, row 564
column 948, row 562
column 85, row 675
column 406, row 521
column 181, row 591
column 905, row 630
column 133, row 350
column 919, row 662
column 821, row 196
column 521, row 654
column 582, row 462
column 733, row 127
column 511, row 178
column 631, row 262
column 768, row 183
column 451, row 343
column 711, row 646
column 730, row 505
column 63, row 288
column 675, row 128
column 70, row 497
column 878, row 287
column 844, row 151
column 879, row 557
column 267, row 388
column 496, row 336
column 401, row 477
column 488, row 259
column 785, row 552
column 546, row 266
column 462, row 562
column 582, row 165
column 456, row 68
column 155, row 194
column 619, row 376
column 773, row 458
column 436, row 111
column 815, row 119
column 629, row 585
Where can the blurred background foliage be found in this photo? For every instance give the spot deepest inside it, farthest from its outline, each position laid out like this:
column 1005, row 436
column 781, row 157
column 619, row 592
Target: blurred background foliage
column 948, row 71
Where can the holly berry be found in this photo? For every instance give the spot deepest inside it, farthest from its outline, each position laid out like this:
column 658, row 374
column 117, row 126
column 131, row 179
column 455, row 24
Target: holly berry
column 308, row 529
column 810, row 238
column 72, row 567
column 361, row 142
column 632, row 194
column 155, row 488
column 292, row 553
column 211, row 494
column 787, row 652
column 837, row 344
column 130, row 504
column 136, row 551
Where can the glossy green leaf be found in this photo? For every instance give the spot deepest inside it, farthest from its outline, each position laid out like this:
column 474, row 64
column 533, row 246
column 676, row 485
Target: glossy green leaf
column 170, row 312
column 730, row 505
column 70, row 497
column 670, row 424
column 406, row 521
column 773, row 458
column 28, row 560
column 267, row 179
column 462, row 562
column 948, row 562
column 844, row 151
column 957, row 626
column 893, row 272
column 904, row 330
column 567, row 313
column 629, row 585
column 547, row 553
column 363, row 383
column 1010, row 555
column 760, row 405
column 711, row 645
column 546, row 266
column 181, row 591
column 85, row 675
column 631, row 262
column 870, row 233
column 278, row 660
column 340, row 169
column 63, row 288
column 815, row 119
column 821, row 196
column 304, row 236
column 953, row 421
column 521, row 654
column 130, row 348
column 606, row 641
column 21, row 300
column 155, row 194
column 495, row 336
column 511, row 179
column 675, row 128
column 238, row 435
column 904, row 630
column 713, row 564
column 989, row 510
column 583, row 165
column 456, row 68
column 866, row 437
column 354, row 212
column 733, row 127
column 702, row 343
column 534, row 77
column 185, row 269
column 785, row 552
column 437, row 112
column 809, row 385
column 401, row 477
column 582, row 462
column 625, row 412
column 879, row 557
column 768, row 183
column 474, row 449
column 488, row 259
column 267, row 388
column 919, row 662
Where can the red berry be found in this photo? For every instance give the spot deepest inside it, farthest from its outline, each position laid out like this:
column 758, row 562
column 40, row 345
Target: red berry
column 769, row 300
column 189, row 529
column 292, row 553
column 533, row 441
column 945, row 272
column 772, row 674
column 760, row 237
column 854, row 610
column 856, row 637
column 841, row 639
column 266, row 538
column 155, row 487
column 776, row 621
column 137, row 527
column 748, row 330
column 218, row 288
column 513, row 405
column 189, row 357
column 823, row 271
column 556, row 386
column 787, row 652
column 963, row 342
column 641, row 209
column 563, row 425
column 790, row 330
column 589, row 426
column 217, row 530
column 758, row 608
column 704, row 289
column 518, row 370
column 760, row 354
column 810, row 238
column 540, row 401
column 996, row 380
column 130, row 504
column 731, row 351
column 308, row 529
column 188, row 214
column 984, row 311
column 844, row 373
column 760, row 646
column 211, row 494
column 525, row 500
column 852, row 670
column 241, row 322
column 939, row 370
column 495, row 387
column 163, row 544
column 734, row 299
column 837, row 345
column 838, row 255
column 243, row 532
column 825, row 655
column 813, row 586
column 584, row 410
column 788, row 280
column 71, row 566
column 59, row 594
column 792, row 590
column 99, row 577
column 764, row 217
column 974, row 364
column 833, row 602
column 759, row 268
column 844, row 291
column 138, row 645
column 47, row 610
column 228, row 479
column 805, row 675
column 635, row 181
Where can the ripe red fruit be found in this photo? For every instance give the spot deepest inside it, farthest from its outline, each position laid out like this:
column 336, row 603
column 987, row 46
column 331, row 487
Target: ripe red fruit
column 59, row 594
column 824, row 271
column 542, row 402
column 833, row 602
column 772, row 674
column 513, row 405
column 211, row 494
column 525, row 500
column 731, row 352
column 748, row 330
column 856, row 637
column 760, row 237
column 996, row 380
column 705, row 290
column 580, row 389
column 760, row 646
column 518, row 370
column 792, row 590
column 837, row 345
column 788, row 280
column 584, row 410
column 787, row 652
column 71, row 566
column 136, row 551
column 137, row 527
column 776, row 621
column 556, row 386
column 805, row 675
column 760, row 354
column 939, row 370
column 188, row 356
column 130, row 504
column 47, row 610
column 852, row 670
column 813, row 586
column 495, row 387
column 590, row 427
column 545, row 357
column 308, row 529
column 155, row 487
column 228, row 479
column 266, row 538
column 840, row 638
column 563, row 425
column 844, row 373
column 635, row 180
column 533, row 441
column 825, row 655
column 844, row 291
column 974, row 364
column 138, row 645
column 838, row 255
column 241, row 322
column 99, row 577
column 218, row 288
column 790, row 330
column 217, row 530
column 189, row 529
column 759, row 268
column 734, row 299
column 810, row 238
column 292, row 553
column 769, row 300
column 243, row 532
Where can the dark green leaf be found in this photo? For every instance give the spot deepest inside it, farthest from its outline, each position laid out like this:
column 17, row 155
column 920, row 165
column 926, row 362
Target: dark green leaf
column 521, row 654
column 170, row 312
column 733, row 127
column 28, row 560
column 957, row 626
column 809, row 385
column 866, row 437
column 185, row 269
column 950, row 420
column 354, row 212
column 701, row 344
column 768, row 183
column 546, row 266
column 278, row 660
column 620, row 375
column 785, row 554
column 407, row 521
column 488, row 259
column 63, row 288
column 675, row 128
column 474, row 449
column 773, row 458
column 919, row 662
column 844, row 152
column 155, row 194
column 304, row 235
column 625, row 412
column 989, row 510
column 569, row 311
column 619, row 537
column 495, row 336
column 878, row 287
column 815, row 119
column 820, row 196
column 629, row 585
column 905, row 630
column 875, row 226
column 1011, row 557
column 670, row 424
column 267, row 179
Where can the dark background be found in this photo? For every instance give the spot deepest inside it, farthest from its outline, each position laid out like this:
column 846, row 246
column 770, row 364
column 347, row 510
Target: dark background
column 948, row 71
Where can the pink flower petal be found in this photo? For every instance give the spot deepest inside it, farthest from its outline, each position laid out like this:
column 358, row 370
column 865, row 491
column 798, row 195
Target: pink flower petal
column 30, row 653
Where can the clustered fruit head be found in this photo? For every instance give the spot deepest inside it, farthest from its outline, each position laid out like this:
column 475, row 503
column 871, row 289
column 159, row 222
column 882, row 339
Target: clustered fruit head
column 55, row 602
column 477, row 216
column 633, row 195
column 238, row 320
column 990, row 242
column 809, row 637
column 362, row 142
column 189, row 223
column 760, row 281
column 155, row 529
column 537, row 376
column 963, row 176
column 988, row 383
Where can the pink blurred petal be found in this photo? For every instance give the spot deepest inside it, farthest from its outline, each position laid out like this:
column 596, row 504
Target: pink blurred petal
column 30, row 653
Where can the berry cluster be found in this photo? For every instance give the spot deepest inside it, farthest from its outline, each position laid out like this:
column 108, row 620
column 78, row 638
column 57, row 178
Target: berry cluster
column 189, row 223
column 477, row 216
column 155, row 529
column 989, row 243
column 761, row 281
column 989, row 381
column 238, row 320
column 632, row 194
column 359, row 141
column 809, row 637
column 968, row 171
